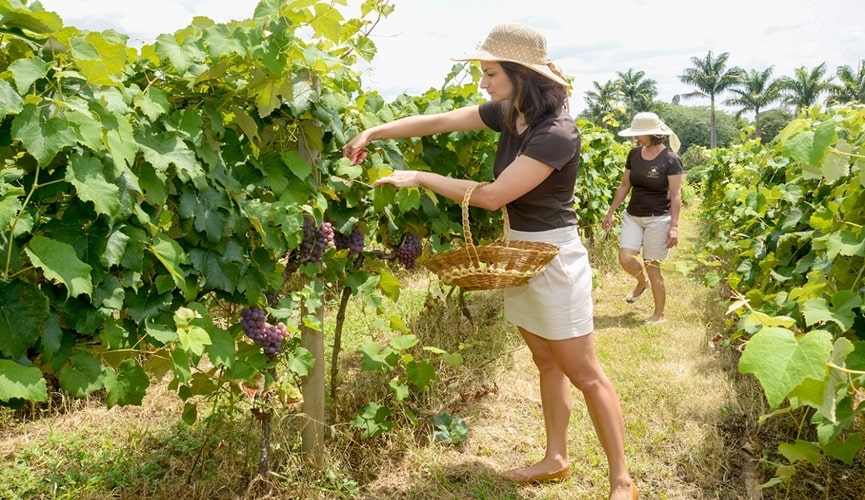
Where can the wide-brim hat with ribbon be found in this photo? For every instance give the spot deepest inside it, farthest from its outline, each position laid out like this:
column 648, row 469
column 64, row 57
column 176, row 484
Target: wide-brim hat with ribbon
column 648, row 123
column 515, row 43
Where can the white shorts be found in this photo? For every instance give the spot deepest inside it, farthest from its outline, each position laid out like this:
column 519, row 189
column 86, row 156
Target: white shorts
column 650, row 233
column 557, row 303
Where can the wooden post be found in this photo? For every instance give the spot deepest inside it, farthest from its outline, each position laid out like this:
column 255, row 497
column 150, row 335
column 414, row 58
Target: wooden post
column 313, row 387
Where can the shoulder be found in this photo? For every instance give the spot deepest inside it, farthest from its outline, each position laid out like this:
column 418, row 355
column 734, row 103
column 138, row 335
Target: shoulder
column 492, row 113
column 673, row 162
column 560, row 126
column 672, row 156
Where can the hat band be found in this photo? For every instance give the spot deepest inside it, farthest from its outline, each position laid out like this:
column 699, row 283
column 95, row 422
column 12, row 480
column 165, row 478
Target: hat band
column 527, row 55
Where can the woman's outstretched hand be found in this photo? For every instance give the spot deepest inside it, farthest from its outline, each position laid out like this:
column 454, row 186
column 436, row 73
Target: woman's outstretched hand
column 355, row 150
column 400, row 179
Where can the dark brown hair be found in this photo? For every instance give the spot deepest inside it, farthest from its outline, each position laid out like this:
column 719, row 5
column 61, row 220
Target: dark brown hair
column 535, row 95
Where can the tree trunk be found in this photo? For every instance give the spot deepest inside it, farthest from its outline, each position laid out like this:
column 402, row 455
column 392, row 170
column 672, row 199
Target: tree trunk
column 713, row 141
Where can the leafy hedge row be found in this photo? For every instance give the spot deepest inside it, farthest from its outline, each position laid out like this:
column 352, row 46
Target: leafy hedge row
column 783, row 226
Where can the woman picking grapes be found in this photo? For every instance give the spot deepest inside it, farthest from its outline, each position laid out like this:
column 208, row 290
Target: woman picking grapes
column 535, row 173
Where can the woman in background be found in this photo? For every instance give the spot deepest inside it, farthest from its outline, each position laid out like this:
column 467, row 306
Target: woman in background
column 653, row 176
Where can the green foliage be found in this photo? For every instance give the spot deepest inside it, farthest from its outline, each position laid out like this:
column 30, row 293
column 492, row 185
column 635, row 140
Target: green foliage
column 449, row 429
column 693, row 125
column 773, row 122
column 602, row 163
column 783, row 223
column 408, row 378
column 142, row 189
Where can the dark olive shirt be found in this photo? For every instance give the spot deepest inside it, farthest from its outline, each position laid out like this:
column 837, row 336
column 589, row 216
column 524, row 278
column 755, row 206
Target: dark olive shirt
column 649, row 183
column 555, row 141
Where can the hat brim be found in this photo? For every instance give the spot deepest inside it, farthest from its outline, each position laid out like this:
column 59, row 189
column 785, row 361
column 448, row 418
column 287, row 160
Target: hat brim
column 482, row 55
column 629, row 132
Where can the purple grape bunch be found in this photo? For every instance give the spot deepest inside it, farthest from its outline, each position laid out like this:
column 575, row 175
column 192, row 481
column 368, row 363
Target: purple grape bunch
column 409, row 250
column 353, row 242
column 255, row 326
column 315, row 241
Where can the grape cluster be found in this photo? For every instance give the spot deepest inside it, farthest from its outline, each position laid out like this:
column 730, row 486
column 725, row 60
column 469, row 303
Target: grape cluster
column 315, row 241
column 255, row 326
column 409, row 250
column 352, row 242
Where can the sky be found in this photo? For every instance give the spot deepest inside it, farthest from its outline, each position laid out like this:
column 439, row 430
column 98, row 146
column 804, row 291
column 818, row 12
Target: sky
column 591, row 41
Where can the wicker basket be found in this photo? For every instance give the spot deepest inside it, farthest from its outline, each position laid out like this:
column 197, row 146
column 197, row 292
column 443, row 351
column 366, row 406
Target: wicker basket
column 498, row 265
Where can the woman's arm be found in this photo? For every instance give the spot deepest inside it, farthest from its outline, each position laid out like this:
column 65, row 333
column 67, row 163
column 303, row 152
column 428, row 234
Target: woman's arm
column 618, row 198
column 520, row 177
column 675, row 193
column 468, row 118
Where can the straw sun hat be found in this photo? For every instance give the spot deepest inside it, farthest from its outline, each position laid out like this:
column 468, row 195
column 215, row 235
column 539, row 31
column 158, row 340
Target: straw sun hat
column 647, row 123
column 515, row 43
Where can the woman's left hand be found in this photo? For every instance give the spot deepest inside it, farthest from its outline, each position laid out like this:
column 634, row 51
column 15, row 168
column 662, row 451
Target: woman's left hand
column 672, row 237
column 400, row 179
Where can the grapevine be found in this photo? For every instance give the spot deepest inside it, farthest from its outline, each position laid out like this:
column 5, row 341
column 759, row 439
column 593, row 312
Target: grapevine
column 268, row 336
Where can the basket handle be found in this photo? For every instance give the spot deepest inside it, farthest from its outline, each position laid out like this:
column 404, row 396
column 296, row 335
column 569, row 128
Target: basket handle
column 467, row 231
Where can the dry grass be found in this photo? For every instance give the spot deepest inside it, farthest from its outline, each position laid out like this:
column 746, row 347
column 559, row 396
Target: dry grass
column 690, row 418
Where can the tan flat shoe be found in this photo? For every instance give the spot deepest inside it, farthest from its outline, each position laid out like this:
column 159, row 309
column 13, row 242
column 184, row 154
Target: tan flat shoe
column 559, row 475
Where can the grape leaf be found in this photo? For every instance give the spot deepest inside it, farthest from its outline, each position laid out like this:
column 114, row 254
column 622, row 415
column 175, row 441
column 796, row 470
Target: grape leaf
column 43, row 140
column 194, row 339
column 10, row 101
column 803, row 451
column 44, row 21
column 420, row 373
column 845, row 450
column 21, row 382
column 221, row 351
column 58, row 261
column 781, row 362
column 23, row 312
column 300, row 362
column 86, row 174
column 372, row 419
column 127, row 386
column 27, row 71
column 81, row 375
column 841, row 311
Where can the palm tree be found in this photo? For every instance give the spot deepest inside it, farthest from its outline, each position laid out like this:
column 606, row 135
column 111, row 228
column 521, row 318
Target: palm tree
column 756, row 91
column 804, row 88
column 638, row 92
column 711, row 76
column 603, row 104
column 852, row 87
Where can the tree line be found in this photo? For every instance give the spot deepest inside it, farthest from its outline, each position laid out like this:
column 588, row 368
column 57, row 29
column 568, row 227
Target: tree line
column 616, row 101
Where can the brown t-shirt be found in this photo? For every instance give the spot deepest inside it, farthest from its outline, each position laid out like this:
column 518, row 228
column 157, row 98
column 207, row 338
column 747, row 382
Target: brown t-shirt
column 556, row 142
column 649, row 184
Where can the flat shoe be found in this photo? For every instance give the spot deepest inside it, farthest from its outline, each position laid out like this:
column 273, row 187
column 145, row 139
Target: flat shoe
column 635, row 493
column 631, row 297
column 559, row 475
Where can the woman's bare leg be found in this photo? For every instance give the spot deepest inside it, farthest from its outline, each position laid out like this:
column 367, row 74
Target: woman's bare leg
column 575, row 360
column 631, row 264
column 659, row 290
